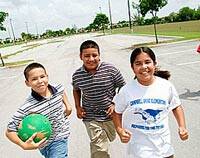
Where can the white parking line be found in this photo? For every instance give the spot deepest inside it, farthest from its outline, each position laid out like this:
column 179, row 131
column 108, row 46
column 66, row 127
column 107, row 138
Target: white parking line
column 188, row 63
column 8, row 77
column 188, row 50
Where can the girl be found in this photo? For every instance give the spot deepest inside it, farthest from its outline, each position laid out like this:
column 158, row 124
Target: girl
column 145, row 103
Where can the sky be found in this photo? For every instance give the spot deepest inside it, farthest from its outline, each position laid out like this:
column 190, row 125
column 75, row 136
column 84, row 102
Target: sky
column 37, row 16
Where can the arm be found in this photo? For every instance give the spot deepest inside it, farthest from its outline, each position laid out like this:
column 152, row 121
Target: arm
column 180, row 118
column 77, row 98
column 110, row 110
column 68, row 108
column 28, row 145
column 124, row 134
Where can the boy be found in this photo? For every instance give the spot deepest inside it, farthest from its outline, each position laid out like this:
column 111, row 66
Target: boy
column 95, row 84
column 49, row 101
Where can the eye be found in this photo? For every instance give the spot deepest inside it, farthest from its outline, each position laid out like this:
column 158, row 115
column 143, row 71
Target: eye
column 137, row 63
column 86, row 56
column 148, row 62
column 33, row 79
column 94, row 56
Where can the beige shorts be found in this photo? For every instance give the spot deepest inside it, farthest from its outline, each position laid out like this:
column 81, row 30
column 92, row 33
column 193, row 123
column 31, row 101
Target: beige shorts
column 100, row 134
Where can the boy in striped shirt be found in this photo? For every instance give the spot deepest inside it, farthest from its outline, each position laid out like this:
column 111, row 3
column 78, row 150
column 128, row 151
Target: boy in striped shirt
column 95, row 84
column 50, row 101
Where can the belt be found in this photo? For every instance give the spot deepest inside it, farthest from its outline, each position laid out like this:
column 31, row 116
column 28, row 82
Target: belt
column 147, row 127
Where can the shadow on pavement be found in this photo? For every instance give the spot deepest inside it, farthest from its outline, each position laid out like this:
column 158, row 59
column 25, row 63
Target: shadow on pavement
column 188, row 95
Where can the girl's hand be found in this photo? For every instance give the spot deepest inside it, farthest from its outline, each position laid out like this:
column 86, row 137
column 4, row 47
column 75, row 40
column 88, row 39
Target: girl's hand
column 183, row 133
column 124, row 135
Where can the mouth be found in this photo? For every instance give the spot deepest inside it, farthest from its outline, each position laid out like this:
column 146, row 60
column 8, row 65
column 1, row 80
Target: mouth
column 91, row 64
column 145, row 73
column 40, row 86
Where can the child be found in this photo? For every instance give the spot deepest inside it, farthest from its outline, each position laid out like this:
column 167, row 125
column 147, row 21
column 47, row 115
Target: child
column 95, row 84
column 50, row 101
column 145, row 103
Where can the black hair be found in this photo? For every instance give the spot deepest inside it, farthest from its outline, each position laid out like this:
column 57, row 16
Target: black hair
column 89, row 44
column 30, row 67
column 163, row 74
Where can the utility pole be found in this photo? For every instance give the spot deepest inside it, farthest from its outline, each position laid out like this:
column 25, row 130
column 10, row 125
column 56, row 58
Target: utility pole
column 8, row 32
column 109, row 5
column 12, row 31
column 129, row 15
column 3, row 64
column 100, row 10
column 36, row 30
column 27, row 27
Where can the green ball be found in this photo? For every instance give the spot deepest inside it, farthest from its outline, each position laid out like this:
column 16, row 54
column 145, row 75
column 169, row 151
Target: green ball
column 34, row 123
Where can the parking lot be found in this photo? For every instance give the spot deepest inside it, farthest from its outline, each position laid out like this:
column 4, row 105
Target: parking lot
column 61, row 59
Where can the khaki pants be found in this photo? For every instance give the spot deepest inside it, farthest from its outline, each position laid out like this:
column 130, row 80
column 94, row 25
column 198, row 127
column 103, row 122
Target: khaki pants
column 100, row 134
column 172, row 156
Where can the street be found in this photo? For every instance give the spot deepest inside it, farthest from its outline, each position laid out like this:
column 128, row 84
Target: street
column 61, row 59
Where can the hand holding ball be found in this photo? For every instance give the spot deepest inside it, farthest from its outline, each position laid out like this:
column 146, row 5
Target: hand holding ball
column 34, row 123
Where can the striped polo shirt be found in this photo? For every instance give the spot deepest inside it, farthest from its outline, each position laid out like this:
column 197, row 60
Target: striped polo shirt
column 97, row 89
column 52, row 108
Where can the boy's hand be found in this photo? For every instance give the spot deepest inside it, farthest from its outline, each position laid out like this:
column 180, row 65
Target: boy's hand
column 110, row 110
column 31, row 145
column 183, row 133
column 80, row 112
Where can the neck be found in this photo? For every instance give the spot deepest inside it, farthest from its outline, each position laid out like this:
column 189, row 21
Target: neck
column 47, row 93
column 147, row 83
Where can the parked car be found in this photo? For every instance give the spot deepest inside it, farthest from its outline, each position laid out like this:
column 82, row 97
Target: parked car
column 198, row 48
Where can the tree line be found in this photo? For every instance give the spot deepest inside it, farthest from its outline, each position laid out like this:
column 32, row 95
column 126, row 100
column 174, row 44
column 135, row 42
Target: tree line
column 101, row 21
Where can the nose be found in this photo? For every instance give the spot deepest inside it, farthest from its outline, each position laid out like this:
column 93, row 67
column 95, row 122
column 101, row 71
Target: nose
column 91, row 58
column 39, row 80
column 144, row 66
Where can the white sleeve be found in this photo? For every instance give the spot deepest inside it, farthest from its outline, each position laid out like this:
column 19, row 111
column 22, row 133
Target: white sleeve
column 120, row 102
column 174, row 100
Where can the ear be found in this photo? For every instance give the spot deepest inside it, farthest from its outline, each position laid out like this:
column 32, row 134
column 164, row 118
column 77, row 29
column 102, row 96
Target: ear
column 80, row 55
column 27, row 83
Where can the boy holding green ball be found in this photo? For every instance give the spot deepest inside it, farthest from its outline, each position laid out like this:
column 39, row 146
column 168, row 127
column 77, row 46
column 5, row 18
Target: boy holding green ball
column 50, row 101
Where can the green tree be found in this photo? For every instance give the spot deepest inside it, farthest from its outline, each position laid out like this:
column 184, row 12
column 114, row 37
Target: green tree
column 2, row 28
column 27, row 36
column 186, row 14
column 138, row 19
column 101, row 21
column 152, row 7
column 3, row 16
column 197, row 14
column 173, row 17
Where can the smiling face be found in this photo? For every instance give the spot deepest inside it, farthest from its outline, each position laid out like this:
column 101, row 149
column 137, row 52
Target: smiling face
column 38, row 81
column 90, row 58
column 144, row 67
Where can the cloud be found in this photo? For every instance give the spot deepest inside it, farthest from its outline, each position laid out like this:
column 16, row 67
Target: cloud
column 12, row 3
column 60, row 14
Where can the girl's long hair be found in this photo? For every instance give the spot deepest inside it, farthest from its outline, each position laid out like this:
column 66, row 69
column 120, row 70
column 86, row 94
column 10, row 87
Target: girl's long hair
column 160, row 73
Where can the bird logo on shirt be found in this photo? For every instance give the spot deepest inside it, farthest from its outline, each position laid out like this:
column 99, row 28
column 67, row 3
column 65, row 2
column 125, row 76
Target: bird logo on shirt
column 149, row 115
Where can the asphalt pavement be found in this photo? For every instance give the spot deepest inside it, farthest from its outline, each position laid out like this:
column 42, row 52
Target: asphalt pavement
column 61, row 59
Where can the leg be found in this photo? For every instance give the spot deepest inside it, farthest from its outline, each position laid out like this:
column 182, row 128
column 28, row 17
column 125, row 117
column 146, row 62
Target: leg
column 99, row 140
column 57, row 149
column 109, row 128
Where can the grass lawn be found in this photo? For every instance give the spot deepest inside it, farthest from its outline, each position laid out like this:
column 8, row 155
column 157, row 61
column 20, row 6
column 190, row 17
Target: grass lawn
column 187, row 30
column 17, row 63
